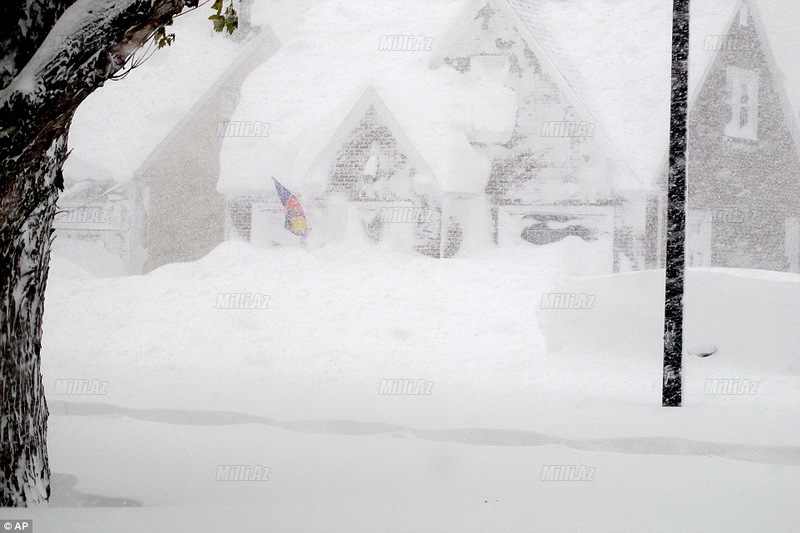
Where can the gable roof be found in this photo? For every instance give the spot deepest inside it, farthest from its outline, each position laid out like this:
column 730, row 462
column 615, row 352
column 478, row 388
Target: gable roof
column 622, row 51
column 310, row 86
column 526, row 17
column 715, row 18
column 370, row 99
column 613, row 56
column 120, row 127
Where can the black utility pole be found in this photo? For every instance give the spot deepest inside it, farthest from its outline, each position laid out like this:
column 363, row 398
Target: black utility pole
column 676, row 208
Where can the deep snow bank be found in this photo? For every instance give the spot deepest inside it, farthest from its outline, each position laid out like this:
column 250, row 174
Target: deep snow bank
column 342, row 318
column 752, row 317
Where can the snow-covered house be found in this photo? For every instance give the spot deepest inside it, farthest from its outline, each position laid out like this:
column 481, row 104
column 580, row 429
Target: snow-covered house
column 366, row 134
column 371, row 161
column 516, row 120
column 743, row 198
column 451, row 107
column 140, row 183
column 557, row 173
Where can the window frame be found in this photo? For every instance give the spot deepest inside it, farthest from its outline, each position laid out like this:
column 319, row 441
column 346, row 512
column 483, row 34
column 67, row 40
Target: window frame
column 736, row 79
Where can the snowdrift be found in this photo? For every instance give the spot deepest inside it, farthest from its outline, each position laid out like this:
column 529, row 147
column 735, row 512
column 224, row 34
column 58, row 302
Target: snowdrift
column 751, row 316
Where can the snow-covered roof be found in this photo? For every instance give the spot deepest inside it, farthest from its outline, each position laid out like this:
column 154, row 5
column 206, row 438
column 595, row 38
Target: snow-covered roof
column 308, row 88
column 614, row 60
column 618, row 55
column 119, row 126
column 530, row 19
column 614, row 54
column 777, row 22
column 371, row 100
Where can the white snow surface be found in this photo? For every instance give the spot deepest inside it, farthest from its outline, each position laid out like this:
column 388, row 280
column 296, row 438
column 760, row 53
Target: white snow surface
column 183, row 378
column 621, row 52
column 393, row 482
column 295, row 386
column 74, row 259
column 345, row 316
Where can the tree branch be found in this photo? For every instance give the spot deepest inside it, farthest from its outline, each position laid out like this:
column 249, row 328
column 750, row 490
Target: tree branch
column 24, row 24
column 88, row 44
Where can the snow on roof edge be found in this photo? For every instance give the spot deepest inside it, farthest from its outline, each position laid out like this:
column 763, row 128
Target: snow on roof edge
column 258, row 35
column 370, row 97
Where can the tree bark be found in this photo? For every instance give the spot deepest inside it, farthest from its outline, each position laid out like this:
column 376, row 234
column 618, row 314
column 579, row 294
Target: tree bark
column 25, row 240
column 55, row 53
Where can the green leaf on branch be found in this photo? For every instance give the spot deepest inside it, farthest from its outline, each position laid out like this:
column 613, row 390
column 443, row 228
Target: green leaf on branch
column 163, row 38
column 227, row 20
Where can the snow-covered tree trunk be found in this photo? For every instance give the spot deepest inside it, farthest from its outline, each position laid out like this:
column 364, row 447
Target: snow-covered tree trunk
column 25, row 237
column 54, row 54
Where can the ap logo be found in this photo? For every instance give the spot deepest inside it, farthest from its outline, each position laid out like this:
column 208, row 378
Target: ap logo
column 18, row 525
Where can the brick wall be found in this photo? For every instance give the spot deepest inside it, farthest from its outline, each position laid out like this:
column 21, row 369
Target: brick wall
column 239, row 211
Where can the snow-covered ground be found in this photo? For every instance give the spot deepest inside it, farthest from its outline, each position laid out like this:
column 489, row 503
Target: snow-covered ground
column 295, row 386
column 386, row 482
column 153, row 388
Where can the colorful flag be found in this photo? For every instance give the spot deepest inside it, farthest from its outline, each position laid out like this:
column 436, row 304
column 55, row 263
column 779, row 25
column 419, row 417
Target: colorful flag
column 295, row 217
